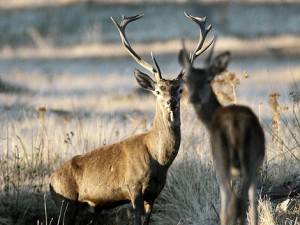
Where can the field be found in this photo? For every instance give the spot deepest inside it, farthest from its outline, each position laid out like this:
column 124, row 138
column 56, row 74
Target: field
column 61, row 99
column 91, row 111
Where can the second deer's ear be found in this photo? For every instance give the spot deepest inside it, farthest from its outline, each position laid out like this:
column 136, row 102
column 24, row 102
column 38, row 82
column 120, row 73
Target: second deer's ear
column 219, row 63
column 144, row 80
column 183, row 58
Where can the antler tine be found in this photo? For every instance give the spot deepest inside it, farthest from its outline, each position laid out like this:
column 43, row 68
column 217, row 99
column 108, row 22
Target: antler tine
column 158, row 74
column 211, row 52
column 201, row 21
column 121, row 28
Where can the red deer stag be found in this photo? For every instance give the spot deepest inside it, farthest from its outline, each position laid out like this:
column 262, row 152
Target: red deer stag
column 135, row 169
column 237, row 138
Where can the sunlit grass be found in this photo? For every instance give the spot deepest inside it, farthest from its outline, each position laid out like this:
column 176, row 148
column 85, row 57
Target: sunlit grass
column 34, row 142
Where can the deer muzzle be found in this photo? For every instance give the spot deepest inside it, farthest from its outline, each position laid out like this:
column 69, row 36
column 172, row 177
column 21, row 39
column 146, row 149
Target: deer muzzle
column 172, row 105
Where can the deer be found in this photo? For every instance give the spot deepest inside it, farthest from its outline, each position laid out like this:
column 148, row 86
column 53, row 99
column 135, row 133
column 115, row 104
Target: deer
column 133, row 170
column 236, row 137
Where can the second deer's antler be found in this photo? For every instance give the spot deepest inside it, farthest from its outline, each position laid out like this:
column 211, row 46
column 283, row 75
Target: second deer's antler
column 201, row 21
column 121, row 28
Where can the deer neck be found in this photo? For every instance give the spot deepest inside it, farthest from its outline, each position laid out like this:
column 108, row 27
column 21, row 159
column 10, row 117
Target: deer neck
column 164, row 137
column 206, row 107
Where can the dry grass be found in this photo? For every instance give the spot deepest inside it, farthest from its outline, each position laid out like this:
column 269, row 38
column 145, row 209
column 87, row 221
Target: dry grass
column 35, row 140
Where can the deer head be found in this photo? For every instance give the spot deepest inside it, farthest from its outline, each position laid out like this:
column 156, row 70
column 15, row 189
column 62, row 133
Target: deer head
column 167, row 91
column 199, row 79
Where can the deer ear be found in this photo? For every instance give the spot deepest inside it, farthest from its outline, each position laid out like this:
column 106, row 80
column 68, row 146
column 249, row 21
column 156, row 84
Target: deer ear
column 219, row 63
column 144, row 80
column 183, row 58
column 180, row 75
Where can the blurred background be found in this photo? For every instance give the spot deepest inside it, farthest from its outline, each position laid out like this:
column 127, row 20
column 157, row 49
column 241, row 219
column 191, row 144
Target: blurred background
column 73, row 37
column 67, row 87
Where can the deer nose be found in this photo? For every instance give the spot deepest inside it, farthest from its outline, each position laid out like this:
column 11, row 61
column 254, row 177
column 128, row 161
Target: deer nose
column 172, row 102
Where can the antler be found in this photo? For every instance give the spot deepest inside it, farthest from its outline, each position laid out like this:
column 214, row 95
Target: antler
column 201, row 21
column 208, row 59
column 121, row 28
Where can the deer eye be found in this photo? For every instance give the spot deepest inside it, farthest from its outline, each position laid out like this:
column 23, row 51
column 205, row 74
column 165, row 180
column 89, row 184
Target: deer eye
column 163, row 88
column 180, row 91
column 157, row 92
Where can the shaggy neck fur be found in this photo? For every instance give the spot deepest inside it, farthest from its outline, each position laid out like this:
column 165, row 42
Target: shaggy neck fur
column 164, row 137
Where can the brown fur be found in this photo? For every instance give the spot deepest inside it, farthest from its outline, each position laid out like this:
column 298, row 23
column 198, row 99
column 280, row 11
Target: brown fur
column 133, row 170
column 237, row 140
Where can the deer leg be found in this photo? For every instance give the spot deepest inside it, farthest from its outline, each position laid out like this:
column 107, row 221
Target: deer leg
column 220, row 152
column 253, row 203
column 243, row 201
column 224, row 197
column 68, row 213
column 138, row 209
column 228, row 206
column 137, row 204
column 67, row 208
column 228, row 199
column 148, row 210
